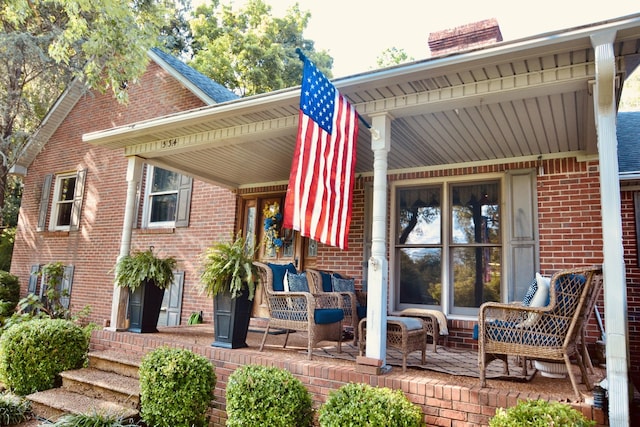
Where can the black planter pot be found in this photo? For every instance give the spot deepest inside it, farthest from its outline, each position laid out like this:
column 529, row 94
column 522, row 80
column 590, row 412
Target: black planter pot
column 144, row 308
column 231, row 318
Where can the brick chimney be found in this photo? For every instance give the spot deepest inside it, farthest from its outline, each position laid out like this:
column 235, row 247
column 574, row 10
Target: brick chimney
column 465, row 37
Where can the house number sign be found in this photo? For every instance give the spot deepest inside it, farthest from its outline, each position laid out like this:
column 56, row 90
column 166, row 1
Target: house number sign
column 170, row 143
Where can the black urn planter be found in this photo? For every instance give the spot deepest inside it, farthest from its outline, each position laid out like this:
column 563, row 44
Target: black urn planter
column 231, row 318
column 145, row 304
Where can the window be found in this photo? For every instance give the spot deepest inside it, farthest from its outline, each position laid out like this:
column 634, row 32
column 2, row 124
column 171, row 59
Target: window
column 448, row 245
column 63, row 203
column 167, row 198
column 66, row 201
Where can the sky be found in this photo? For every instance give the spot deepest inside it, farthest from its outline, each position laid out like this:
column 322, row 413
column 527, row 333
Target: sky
column 356, row 32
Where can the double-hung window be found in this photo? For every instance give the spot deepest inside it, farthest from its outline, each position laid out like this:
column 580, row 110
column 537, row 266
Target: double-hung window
column 167, row 198
column 448, row 247
column 64, row 204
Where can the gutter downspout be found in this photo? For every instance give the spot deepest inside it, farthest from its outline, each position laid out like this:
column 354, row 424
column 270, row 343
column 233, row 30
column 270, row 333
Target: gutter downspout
column 121, row 295
column 615, row 292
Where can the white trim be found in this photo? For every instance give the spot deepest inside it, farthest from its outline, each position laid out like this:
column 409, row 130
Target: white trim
column 444, row 183
column 56, row 202
column 146, row 205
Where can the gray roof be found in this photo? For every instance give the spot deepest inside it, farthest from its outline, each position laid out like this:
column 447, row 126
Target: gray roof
column 628, row 130
column 214, row 90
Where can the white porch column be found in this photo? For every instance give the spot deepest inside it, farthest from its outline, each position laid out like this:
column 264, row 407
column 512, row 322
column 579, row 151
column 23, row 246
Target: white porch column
column 121, row 295
column 378, row 265
column 615, row 291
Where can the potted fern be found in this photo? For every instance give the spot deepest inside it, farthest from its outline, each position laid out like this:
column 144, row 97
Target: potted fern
column 229, row 276
column 146, row 276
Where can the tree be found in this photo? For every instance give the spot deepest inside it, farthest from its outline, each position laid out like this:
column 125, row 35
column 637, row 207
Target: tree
column 392, row 56
column 175, row 35
column 44, row 44
column 249, row 51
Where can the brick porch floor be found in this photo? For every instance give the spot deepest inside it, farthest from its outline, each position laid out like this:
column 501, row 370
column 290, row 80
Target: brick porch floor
column 446, row 400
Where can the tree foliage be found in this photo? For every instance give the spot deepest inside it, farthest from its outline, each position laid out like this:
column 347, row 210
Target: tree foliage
column 248, row 50
column 44, row 44
column 392, row 56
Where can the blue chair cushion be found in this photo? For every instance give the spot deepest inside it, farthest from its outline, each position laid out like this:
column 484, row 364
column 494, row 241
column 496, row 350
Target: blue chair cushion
column 362, row 311
column 510, row 332
column 326, row 282
column 279, row 270
column 297, row 282
column 325, row 316
column 533, row 287
column 342, row 285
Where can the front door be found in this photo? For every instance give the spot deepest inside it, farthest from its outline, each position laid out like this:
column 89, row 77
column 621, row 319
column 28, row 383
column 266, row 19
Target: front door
column 262, row 219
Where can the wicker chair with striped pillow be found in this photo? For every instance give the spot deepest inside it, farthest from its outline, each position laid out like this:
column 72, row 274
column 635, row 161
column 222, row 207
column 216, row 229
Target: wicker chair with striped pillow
column 552, row 333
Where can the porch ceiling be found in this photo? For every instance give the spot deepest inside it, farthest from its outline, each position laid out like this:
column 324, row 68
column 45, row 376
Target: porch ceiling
column 530, row 97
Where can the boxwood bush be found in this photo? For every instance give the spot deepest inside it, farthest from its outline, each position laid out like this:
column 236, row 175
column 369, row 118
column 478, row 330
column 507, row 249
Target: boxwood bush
column 9, row 293
column 363, row 405
column 539, row 413
column 32, row 354
column 267, row 396
column 176, row 388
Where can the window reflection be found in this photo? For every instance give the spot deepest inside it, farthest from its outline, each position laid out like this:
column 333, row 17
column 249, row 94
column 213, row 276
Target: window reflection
column 476, row 276
column 419, row 216
column 475, row 222
column 420, row 276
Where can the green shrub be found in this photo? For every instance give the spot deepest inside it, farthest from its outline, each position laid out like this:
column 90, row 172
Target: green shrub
column 92, row 420
column 13, row 409
column 9, row 293
column 363, row 405
column 176, row 388
column 267, row 396
column 539, row 413
column 7, row 237
column 32, row 354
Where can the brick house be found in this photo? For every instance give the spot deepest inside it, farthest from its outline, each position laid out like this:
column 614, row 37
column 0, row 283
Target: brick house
column 513, row 140
column 82, row 229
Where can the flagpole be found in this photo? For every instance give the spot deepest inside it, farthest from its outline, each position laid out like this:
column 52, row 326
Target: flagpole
column 303, row 58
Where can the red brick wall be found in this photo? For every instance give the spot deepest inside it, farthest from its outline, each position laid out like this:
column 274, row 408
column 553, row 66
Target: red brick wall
column 443, row 403
column 630, row 244
column 93, row 249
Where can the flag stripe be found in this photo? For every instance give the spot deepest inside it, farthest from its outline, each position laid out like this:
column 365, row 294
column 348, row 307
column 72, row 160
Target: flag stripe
column 319, row 197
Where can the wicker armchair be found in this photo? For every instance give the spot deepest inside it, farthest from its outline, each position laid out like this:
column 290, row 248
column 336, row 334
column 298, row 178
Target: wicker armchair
column 551, row 333
column 320, row 315
column 350, row 302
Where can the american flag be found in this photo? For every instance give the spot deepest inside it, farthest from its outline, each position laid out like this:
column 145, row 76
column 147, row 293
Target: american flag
column 318, row 202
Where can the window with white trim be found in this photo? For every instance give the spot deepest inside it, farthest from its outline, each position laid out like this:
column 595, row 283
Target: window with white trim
column 63, row 206
column 167, row 198
column 449, row 233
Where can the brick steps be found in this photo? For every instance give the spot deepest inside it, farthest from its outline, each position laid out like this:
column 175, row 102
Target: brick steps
column 108, row 386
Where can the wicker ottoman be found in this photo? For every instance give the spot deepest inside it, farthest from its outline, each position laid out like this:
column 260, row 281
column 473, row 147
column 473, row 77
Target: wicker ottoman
column 430, row 321
column 406, row 334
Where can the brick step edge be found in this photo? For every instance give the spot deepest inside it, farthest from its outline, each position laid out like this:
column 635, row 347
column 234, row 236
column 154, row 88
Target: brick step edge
column 53, row 403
